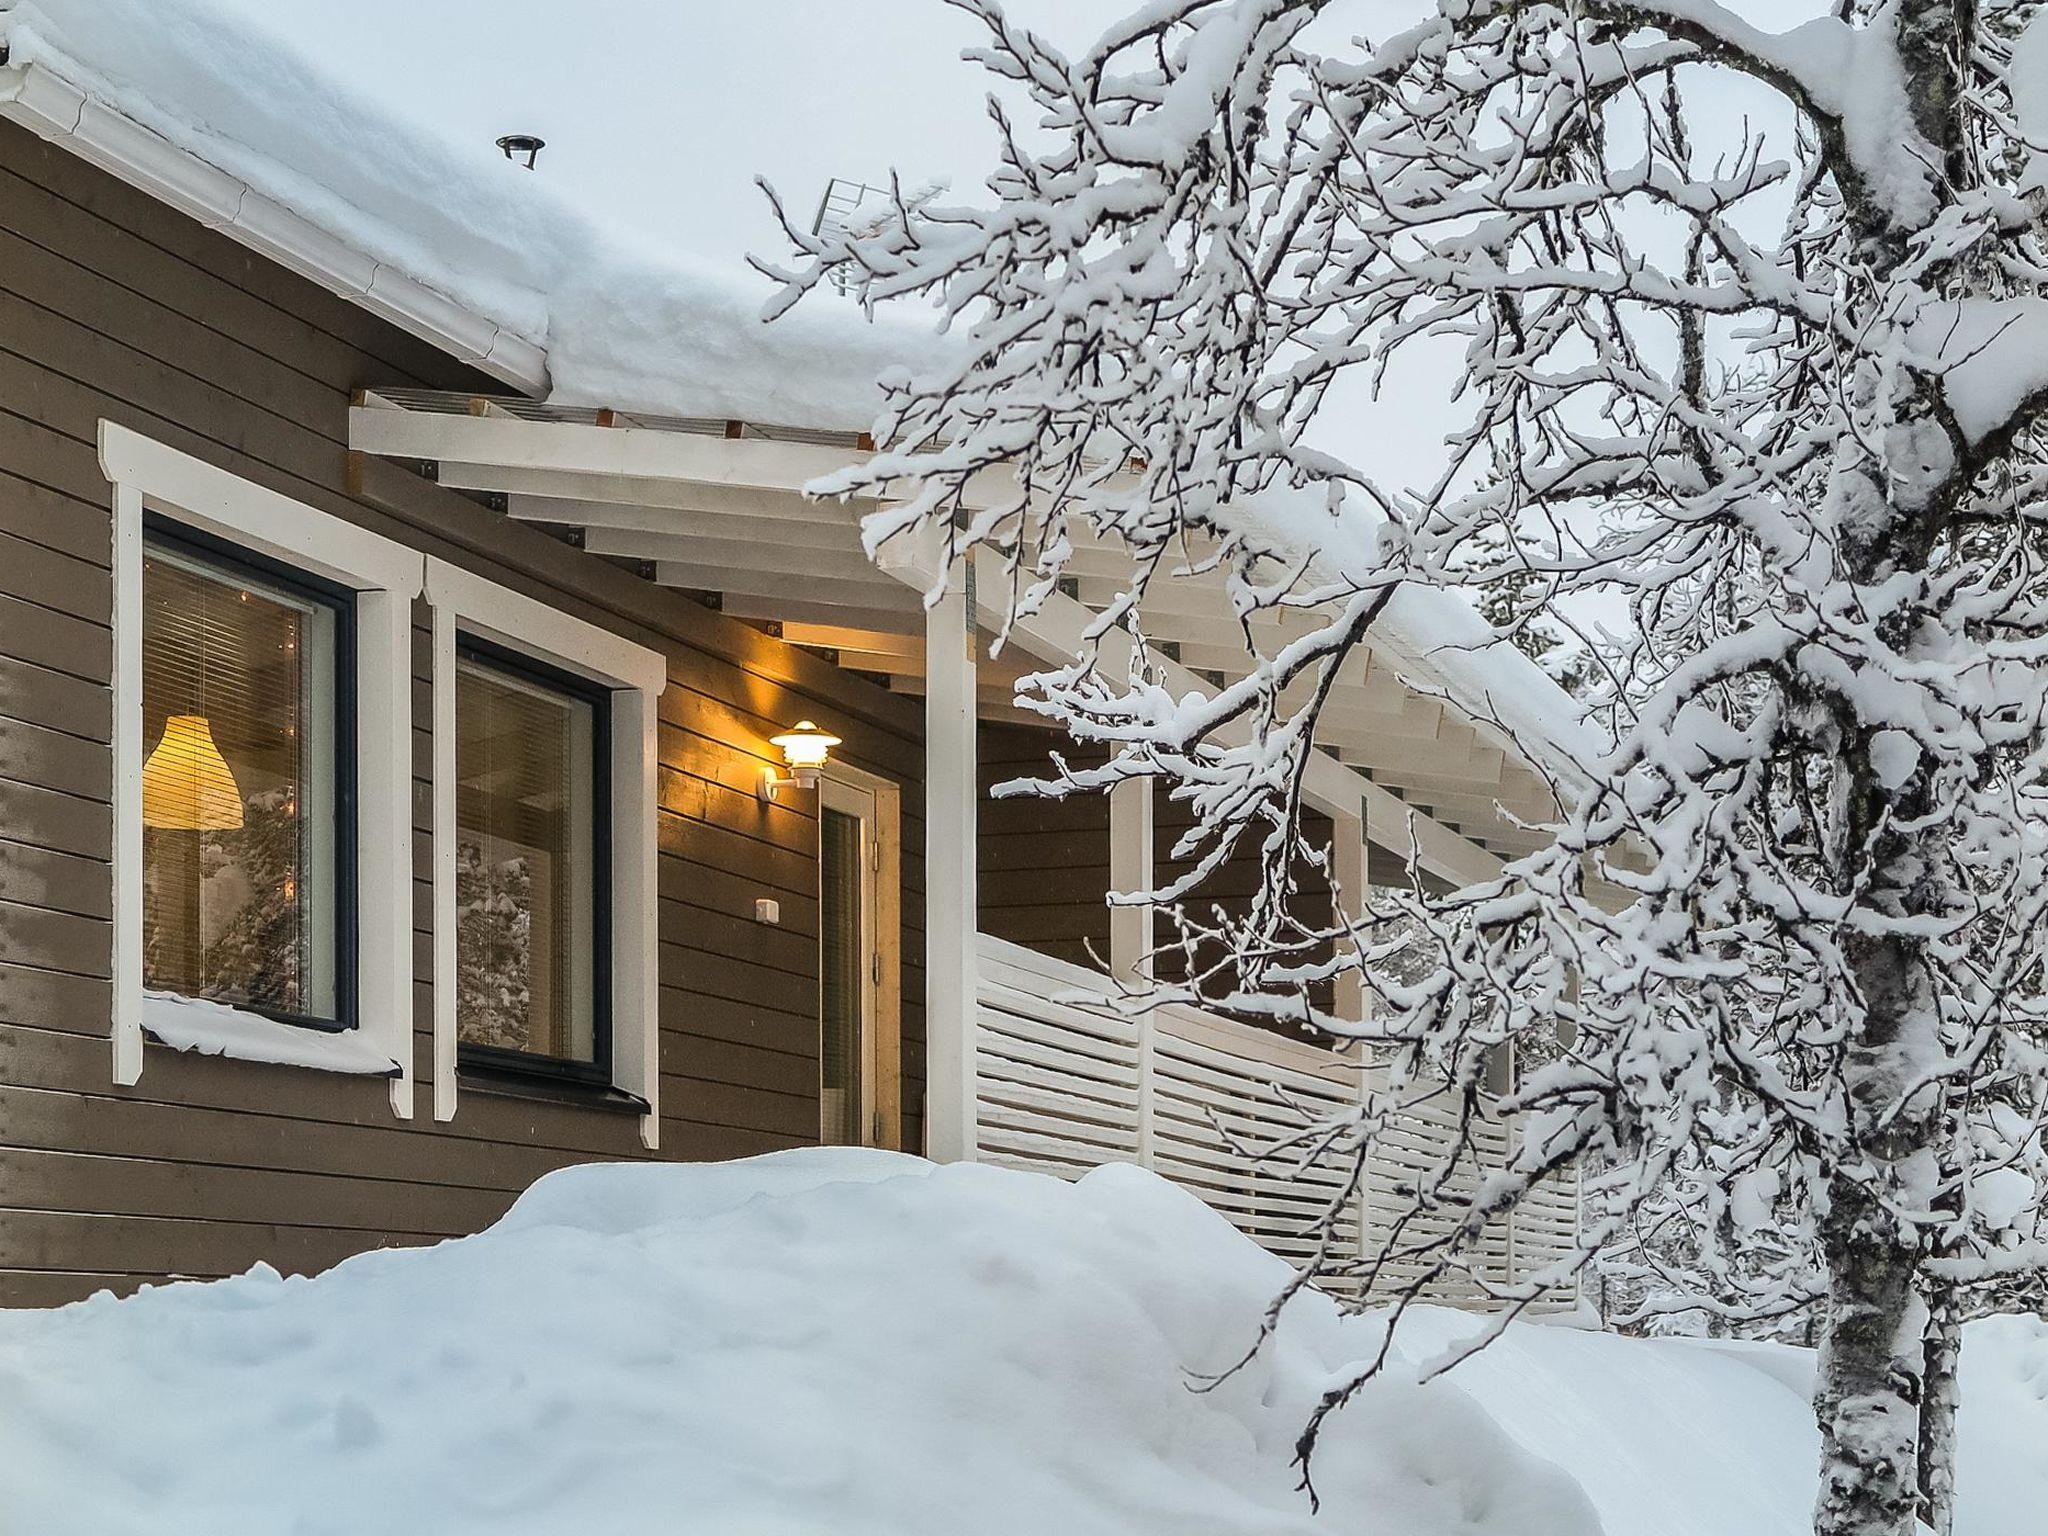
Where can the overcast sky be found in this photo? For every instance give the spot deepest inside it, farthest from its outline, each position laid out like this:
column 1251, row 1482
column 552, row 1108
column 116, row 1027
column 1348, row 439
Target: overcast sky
column 659, row 113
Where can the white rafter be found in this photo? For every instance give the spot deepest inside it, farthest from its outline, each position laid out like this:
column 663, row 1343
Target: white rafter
column 719, row 508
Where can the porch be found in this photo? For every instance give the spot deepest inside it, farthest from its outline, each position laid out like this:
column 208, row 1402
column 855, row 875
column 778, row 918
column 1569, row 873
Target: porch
column 1023, row 1064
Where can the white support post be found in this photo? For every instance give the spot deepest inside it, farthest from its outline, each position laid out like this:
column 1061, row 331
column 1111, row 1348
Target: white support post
column 1130, row 870
column 1130, row 930
column 1350, row 852
column 1349, row 869
column 951, row 951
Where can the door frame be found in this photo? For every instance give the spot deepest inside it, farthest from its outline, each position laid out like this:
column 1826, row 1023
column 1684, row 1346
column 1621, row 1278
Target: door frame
column 878, row 802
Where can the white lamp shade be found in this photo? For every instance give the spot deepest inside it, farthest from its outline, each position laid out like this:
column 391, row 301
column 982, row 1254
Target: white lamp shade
column 187, row 785
column 805, row 746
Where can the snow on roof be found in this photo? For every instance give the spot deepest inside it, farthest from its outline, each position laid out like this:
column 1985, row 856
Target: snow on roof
column 620, row 325
column 1438, row 641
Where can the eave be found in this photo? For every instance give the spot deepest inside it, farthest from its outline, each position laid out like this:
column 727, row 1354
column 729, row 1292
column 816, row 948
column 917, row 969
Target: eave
column 55, row 109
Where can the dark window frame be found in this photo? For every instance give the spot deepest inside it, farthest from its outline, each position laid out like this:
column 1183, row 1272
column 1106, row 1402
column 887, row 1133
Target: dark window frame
column 224, row 557
column 500, row 1061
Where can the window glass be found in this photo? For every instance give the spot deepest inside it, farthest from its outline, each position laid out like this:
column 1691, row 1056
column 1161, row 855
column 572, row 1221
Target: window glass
column 241, row 812
column 528, row 887
column 842, row 956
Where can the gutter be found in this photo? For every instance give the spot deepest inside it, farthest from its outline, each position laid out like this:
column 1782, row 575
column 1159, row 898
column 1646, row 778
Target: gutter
column 54, row 109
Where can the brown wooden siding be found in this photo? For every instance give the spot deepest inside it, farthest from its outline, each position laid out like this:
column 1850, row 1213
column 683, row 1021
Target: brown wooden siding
column 113, row 306
column 1042, row 865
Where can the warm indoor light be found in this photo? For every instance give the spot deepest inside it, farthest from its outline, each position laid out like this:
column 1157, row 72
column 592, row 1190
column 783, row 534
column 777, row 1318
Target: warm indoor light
column 806, row 749
column 187, row 785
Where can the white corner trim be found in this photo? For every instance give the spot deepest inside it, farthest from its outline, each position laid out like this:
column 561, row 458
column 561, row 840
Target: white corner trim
column 55, row 109
column 127, row 733
column 636, row 675
column 441, row 825
column 386, row 577
column 220, row 1029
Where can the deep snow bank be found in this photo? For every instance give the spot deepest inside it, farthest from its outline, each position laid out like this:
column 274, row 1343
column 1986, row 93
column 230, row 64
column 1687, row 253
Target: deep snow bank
column 856, row 1342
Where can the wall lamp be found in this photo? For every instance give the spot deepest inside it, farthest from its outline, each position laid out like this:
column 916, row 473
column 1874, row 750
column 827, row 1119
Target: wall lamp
column 805, row 749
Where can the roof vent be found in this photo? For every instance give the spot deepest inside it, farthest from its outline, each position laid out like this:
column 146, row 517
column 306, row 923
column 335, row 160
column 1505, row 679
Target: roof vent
column 527, row 144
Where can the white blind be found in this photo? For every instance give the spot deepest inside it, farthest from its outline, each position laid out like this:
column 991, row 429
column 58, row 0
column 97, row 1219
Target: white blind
column 239, row 872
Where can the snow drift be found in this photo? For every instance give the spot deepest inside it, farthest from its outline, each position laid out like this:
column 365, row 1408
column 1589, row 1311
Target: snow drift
column 860, row 1342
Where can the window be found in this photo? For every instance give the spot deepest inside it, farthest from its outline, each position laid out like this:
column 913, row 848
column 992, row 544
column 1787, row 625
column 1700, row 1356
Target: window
column 532, row 895
column 246, row 842
column 262, row 727
column 544, row 847
column 843, row 967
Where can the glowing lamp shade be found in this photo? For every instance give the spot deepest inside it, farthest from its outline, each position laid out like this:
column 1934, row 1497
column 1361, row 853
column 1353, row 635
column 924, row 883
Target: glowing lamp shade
column 806, row 749
column 805, row 746
column 187, row 785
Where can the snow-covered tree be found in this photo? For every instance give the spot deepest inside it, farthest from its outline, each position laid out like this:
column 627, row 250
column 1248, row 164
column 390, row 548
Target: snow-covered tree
column 494, row 958
column 1777, row 388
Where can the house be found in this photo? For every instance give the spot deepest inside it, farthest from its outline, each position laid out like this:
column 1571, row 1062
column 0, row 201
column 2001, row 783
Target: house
column 439, row 742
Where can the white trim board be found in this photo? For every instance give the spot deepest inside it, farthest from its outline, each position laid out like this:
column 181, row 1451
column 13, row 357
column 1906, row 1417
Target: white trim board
column 386, row 577
column 636, row 675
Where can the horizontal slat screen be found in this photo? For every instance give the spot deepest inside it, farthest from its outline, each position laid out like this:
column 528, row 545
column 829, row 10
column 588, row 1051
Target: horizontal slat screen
column 1064, row 1084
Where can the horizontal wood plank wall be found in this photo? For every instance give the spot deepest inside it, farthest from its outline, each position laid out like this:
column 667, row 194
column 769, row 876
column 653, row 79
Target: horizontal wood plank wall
column 112, row 305
column 1043, row 865
column 1232, row 888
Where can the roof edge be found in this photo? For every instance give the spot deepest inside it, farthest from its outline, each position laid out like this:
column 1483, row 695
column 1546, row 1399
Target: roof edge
column 52, row 107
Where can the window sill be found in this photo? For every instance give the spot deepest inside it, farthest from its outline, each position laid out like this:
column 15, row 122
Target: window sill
column 503, row 1083
column 217, row 1029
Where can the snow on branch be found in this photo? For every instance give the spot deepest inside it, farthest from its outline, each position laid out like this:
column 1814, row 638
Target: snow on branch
column 1767, row 403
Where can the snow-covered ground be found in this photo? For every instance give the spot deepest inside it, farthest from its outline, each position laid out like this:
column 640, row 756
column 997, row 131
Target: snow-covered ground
column 853, row 1342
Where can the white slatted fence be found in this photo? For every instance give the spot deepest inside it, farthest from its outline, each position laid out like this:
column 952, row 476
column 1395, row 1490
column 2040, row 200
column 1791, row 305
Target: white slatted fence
column 1062, row 1086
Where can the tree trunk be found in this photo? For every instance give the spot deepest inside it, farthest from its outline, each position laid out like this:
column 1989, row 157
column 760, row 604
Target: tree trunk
column 1868, row 1385
column 1940, row 1397
column 1870, row 1381
column 1871, row 1377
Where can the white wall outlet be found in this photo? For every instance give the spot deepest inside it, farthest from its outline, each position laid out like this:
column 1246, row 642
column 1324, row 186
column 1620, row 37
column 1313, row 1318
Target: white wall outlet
column 767, row 910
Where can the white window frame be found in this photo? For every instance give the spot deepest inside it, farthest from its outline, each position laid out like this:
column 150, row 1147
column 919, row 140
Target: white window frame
column 465, row 602
column 385, row 576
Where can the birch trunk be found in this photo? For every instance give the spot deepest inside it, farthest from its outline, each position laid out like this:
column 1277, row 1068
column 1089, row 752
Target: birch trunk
column 1941, row 1396
column 1871, row 1380
column 1869, row 1385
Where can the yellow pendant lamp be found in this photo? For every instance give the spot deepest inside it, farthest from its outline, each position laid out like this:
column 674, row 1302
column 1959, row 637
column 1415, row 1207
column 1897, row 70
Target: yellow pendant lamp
column 187, row 785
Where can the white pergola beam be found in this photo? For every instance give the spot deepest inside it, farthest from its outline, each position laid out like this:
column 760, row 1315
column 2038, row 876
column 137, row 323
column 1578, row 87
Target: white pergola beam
column 840, row 531
column 617, row 453
column 787, row 610
column 1062, row 624
column 846, row 591
column 904, row 651
column 783, row 559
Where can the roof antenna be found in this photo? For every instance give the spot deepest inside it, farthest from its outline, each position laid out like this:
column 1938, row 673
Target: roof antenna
column 527, row 144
